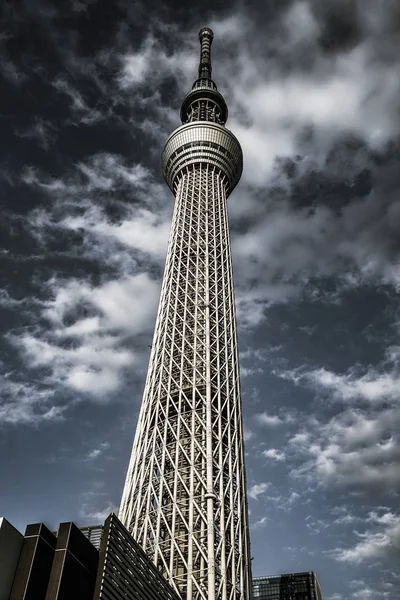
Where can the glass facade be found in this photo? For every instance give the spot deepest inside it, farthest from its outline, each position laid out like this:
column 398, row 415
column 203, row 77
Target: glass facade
column 293, row 586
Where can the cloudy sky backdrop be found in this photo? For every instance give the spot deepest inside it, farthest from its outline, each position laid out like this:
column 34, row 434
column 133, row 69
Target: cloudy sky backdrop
column 90, row 91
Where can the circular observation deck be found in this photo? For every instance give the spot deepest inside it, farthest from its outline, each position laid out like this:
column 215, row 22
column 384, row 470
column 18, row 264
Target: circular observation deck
column 202, row 142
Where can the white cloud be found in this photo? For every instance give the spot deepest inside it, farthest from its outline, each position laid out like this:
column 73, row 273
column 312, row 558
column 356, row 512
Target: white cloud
column 41, row 130
column 359, row 447
column 151, row 63
column 93, row 367
column 294, row 496
column 257, row 490
column 268, row 420
column 84, row 340
column 285, row 501
column 354, row 449
column 96, row 452
column 129, row 304
column 145, row 232
column 96, row 360
column 300, row 440
column 376, row 543
column 345, row 519
column 248, row 434
column 269, row 105
column 87, row 114
column 95, row 516
column 372, row 386
column 143, row 224
column 300, row 23
column 260, row 523
column 314, row 525
column 126, row 305
column 24, row 403
column 274, row 454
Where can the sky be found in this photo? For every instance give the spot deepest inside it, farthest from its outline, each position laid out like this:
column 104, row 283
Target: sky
column 91, row 89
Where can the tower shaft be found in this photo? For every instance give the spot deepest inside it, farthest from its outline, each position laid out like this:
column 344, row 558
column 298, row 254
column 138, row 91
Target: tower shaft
column 185, row 493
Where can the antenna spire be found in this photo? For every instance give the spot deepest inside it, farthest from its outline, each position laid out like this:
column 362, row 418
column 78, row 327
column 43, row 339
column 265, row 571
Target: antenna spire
column 206, row 37
column 204, row 102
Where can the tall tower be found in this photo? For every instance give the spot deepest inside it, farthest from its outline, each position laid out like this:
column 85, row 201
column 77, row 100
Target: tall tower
column 185, row 492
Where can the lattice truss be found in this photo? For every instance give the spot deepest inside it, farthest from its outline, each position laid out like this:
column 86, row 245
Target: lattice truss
column 184, row 498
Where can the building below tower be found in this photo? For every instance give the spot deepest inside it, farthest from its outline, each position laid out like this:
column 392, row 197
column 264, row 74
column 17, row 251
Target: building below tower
column 292, row 586
column 34, row 564
column 125, row 571
column 93, row 563
column 10, row 550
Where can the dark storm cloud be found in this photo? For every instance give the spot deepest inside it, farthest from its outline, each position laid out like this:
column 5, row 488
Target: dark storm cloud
column 340, row 25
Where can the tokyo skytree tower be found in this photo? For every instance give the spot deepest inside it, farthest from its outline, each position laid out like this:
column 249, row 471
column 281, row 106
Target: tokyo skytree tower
column 185, row 499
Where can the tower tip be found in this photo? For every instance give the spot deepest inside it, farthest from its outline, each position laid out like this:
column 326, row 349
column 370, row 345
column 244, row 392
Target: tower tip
column 206, row 37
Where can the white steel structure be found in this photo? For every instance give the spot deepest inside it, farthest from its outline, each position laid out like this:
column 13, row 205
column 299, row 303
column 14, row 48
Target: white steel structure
column 185, row 493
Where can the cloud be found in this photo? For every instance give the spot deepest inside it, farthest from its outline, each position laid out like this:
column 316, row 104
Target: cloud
column 257, row 490
column 145, row 232
column 91, row 336
column 79, row 203
column 248, row 434
column 286, row 501
column 351, row 450
column 376, row 543
column 372, row 386
column 95, row 516
column 284, row 247
column 87, row 353
column 11, row 72
column 26, row 403
column 274, row 454
column 42, row 131
column 287, row 89
column 357, row 448
column 151, row 63
column 125, row 305
column 300, row 440
column 269, row 420
column 344, row 516
column 96, row 452
column 260, row 523
column 290, row 83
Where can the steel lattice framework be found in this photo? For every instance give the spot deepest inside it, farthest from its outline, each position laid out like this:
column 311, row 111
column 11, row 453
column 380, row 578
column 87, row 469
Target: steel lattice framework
column 185, row 493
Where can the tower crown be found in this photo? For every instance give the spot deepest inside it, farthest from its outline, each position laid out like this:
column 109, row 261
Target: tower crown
column 203, row 138
column 204, row 102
